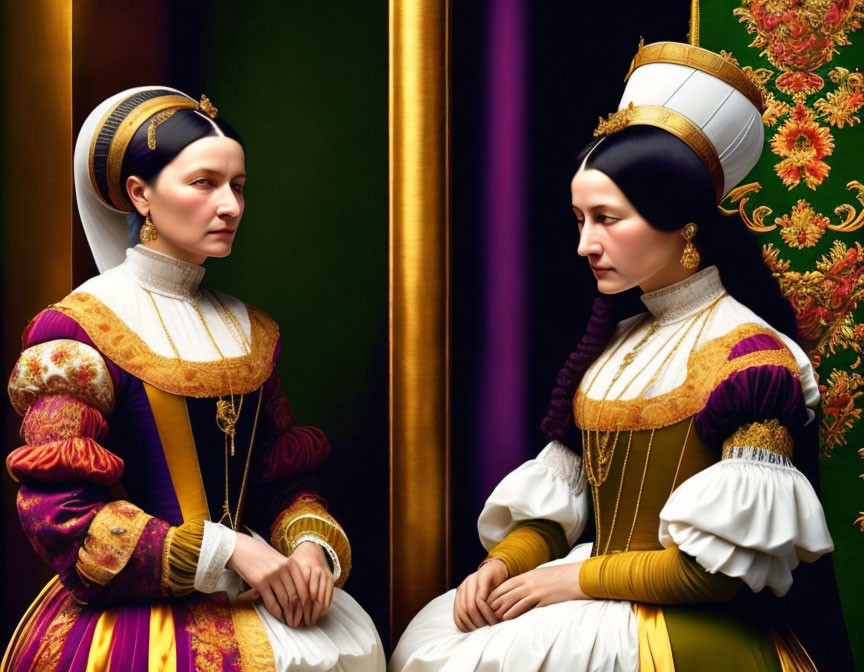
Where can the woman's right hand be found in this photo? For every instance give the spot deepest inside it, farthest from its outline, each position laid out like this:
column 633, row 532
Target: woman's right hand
column 470, row 609
column 268, row 572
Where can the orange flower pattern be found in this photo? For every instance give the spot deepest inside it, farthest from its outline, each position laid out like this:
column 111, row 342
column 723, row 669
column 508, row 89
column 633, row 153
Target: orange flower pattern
column 802, row 143
column 806, row 110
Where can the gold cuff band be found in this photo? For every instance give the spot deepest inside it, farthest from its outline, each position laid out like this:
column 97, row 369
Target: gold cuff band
column 110, row 542
column 769, row 435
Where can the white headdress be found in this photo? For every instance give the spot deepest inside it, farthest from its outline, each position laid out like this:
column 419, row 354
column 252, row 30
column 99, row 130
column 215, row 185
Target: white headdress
column 99, row 152
column 701, row 98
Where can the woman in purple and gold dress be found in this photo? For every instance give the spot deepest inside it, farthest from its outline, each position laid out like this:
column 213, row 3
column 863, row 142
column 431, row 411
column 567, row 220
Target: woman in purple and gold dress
column 690, row 417
column 158, row 443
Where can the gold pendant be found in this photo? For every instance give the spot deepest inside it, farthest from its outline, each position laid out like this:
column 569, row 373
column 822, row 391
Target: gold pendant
column 226, row 419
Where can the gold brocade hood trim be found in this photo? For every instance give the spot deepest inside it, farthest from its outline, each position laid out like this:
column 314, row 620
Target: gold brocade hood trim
column 120, row 344
column 707, row 367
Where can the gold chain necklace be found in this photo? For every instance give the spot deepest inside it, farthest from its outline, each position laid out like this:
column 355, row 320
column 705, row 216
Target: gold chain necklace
column 227, row 412
column 596, row 447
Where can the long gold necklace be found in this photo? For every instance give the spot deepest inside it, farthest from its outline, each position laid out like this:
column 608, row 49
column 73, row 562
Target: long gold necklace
column 599, row 446
column 227, row 411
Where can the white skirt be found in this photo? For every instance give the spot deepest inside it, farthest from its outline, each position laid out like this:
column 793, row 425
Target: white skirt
column 575, row 636
column 345, row 640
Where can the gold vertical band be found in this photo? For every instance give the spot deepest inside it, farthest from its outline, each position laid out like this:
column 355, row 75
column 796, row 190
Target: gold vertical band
column 694, row 23
column 163, row 644
column 99, row 658
column 36, row 212
column 655, row 651
column 178, row 444
column 419, row 306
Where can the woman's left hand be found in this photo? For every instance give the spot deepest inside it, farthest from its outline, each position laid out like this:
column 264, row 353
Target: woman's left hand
column 314, row 581
column 537, row 588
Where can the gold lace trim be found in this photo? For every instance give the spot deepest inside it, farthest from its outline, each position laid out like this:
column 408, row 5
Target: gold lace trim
column 240, row 375
column 769, row 435
column 110, row 542
column 252, row 641
column 707, row 367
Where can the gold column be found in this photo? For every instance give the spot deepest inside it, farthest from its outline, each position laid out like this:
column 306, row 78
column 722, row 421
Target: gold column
column 36, row 222
column 37, row 158
column 419, row 307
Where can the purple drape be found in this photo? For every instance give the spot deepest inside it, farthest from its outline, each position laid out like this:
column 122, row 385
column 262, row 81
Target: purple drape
column 502, row 425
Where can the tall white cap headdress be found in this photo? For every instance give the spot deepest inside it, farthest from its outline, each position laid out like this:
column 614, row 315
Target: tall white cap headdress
column 99, row 153
column 701, row 98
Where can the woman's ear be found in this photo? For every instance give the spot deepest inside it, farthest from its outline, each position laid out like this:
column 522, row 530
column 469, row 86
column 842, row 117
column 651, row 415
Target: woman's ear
column 139, row 192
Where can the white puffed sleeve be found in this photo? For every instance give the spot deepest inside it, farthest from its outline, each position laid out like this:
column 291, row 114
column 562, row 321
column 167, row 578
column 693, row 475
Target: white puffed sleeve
column 549, row 487
column 753, row 516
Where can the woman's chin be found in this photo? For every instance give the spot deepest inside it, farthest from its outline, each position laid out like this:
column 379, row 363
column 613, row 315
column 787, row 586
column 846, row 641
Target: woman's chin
column 612, row 286
column 218, row 250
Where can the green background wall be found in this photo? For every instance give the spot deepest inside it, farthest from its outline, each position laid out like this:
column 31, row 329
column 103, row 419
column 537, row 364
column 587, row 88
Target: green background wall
column 306, row 86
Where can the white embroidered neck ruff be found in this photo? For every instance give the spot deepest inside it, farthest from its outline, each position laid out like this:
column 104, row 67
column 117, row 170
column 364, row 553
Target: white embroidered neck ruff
column 163, row 274
column 684, row 298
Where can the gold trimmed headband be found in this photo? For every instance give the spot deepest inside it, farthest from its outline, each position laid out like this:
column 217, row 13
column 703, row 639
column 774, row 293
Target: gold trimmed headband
column 676, row 124
column 118, row 127
column 700, row 59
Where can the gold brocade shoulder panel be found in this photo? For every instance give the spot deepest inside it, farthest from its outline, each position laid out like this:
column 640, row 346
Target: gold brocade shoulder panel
column 240, row 375
column 707, row 367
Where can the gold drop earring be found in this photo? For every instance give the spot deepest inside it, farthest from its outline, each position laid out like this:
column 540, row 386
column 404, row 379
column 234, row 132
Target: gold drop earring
column 148, row 231
column 690, row 256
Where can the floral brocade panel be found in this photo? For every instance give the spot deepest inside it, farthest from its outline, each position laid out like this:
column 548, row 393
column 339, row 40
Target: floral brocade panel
column 805, row 201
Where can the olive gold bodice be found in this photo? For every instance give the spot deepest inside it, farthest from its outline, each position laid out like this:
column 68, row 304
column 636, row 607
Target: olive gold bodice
column 644, row 467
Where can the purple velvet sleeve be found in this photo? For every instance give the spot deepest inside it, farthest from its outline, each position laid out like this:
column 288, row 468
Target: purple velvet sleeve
column 754, row 394
column 56, row 516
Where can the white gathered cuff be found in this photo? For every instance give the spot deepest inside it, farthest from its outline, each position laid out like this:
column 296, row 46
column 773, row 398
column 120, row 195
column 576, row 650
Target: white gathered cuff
column 549, row 487
column 217, row 545
column 747, row 517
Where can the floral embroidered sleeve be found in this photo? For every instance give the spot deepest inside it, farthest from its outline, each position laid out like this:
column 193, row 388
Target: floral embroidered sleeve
column 298, row 513
column 102, row 550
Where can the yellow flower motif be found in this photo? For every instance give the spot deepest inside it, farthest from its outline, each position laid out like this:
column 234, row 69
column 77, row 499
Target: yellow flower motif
column 803, row 227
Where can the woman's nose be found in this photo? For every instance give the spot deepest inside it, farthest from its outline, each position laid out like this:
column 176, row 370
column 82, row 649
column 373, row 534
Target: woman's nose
column 229, row 202
column 588, row 242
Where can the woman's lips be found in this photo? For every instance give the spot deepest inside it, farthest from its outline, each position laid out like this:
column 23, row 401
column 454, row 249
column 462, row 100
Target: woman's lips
column 224, row 232
column 601, row 270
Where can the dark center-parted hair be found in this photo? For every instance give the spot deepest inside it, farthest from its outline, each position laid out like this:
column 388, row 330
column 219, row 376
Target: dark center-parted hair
column 669, row 186
column 172, row 136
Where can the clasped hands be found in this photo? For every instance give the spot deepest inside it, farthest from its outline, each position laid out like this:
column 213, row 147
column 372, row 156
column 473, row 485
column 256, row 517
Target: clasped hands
column 487, row 596
column 297, row 589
